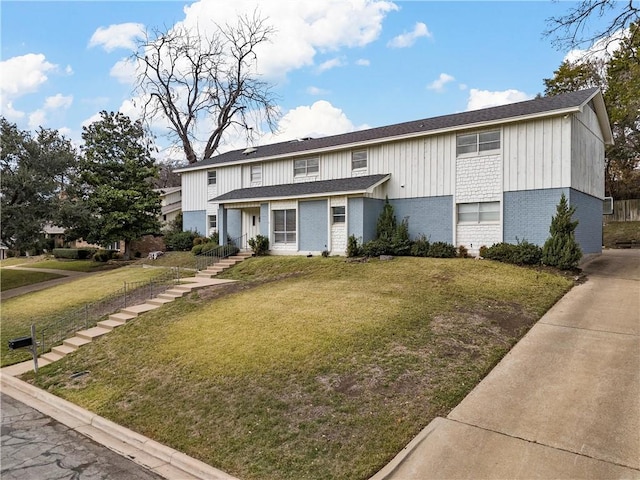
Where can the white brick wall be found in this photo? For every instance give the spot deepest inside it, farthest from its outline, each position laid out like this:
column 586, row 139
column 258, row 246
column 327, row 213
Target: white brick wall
column 478, row 179
column 338, row 230
column 475, row 236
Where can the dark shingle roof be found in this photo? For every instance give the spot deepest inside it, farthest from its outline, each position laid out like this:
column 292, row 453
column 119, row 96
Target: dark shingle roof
column 340, row 185
column 457, row 120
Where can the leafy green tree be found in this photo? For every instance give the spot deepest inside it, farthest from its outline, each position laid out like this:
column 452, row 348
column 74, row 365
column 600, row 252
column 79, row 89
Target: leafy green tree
column 35, row 173
column 115, row 199
column 619, row 78
column 561, row 249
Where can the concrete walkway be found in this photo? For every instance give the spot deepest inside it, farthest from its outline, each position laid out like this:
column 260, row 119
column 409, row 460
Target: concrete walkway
column 563, row 403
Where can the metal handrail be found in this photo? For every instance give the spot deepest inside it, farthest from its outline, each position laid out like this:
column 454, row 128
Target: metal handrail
column 210, row 257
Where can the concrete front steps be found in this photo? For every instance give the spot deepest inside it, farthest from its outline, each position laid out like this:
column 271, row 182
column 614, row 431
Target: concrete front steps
column 116, row 320
column 223, row 265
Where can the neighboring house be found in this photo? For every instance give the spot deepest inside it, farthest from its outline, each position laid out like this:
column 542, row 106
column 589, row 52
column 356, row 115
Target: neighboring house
column 171, row 201
column 472, row 179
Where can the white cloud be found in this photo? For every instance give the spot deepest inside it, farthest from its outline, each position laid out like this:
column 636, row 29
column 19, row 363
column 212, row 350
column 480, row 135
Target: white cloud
column 301, row 29
column 363, row 62
column 463, row 86
column 124, row 71
column 37, row 119
column 58, row 101
column 603, row 49
column 439, row 83
column 123, row 35
column 332, row 63
column 485, row 98
column 317, row 91
column 24, row 74
column 21, row 76
column 407, row 39
column 318, row 120
column 93, row 118
column 68, row 70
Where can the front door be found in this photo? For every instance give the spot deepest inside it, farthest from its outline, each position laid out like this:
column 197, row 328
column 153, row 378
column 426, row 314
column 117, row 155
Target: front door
column 250, row 223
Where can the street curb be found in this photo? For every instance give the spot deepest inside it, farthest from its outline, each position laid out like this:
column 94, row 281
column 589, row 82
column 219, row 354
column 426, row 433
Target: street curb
column 162, row 460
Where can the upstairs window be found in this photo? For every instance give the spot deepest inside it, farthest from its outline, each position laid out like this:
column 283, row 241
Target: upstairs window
column 306, row 166
column 358, row 159
column 211, row 177
column 256, row 173
column 338, row 214
column 470, row 143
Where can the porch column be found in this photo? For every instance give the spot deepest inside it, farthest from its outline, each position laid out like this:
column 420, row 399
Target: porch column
column 222, row 225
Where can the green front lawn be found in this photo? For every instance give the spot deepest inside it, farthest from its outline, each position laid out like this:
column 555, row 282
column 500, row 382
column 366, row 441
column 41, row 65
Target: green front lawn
column 308, row 368
column 10, row 278
column 72, row 265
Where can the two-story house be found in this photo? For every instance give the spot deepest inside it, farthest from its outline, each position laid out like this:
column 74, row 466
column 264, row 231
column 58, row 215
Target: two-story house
column 472, row 179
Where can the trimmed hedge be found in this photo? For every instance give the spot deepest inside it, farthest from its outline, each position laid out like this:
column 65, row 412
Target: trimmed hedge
column 523, row 253
column 73, row 253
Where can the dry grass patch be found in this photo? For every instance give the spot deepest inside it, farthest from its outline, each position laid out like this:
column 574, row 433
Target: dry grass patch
column 41, row 307
column 325, row 372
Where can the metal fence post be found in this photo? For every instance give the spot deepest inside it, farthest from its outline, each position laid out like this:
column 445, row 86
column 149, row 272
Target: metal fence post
column 86, row 315
column 125, row 294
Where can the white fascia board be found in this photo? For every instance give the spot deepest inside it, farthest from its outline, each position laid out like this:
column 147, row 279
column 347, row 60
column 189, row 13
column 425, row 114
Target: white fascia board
column 603, row 117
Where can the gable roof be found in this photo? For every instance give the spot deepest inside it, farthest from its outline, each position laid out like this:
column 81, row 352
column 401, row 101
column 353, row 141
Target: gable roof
column 539, row 107
column 351, row 185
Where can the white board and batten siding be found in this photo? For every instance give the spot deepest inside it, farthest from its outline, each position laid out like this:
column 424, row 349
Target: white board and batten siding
column 536, row 154
column 194, row 190
column 587, row 156
column 422, row 167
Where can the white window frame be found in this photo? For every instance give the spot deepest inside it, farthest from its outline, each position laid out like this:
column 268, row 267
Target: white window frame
column 306, row 167
column 359, row 160
column 339, row 214
column 256, row 173
column 212, row 177
column 289, row 234
column 474, row 213
column 212, row 221
column 476, row 143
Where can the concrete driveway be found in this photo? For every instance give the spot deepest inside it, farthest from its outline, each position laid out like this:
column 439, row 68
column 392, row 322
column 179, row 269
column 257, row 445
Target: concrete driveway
column 564, row 403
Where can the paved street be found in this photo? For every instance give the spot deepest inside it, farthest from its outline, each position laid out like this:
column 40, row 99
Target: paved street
column 36, row 447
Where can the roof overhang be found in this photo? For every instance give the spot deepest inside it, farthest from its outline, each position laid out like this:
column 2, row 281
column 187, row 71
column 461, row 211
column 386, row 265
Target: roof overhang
column 304, row 196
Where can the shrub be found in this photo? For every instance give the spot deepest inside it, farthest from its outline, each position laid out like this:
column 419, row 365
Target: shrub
column 501, row 252
column 259, row 245
column 401, row 243
column 386, row 226
column 375, row 248
column 73, row 253
column 180, row 241
column 199, row 241
column 442, row 250
column 104, row 255
column 353, row 247
column 325, row 253
column 420, row 247
column 463, row 252
column 524, row 253
column 528, row 254
column 483, row 251
column 561, row 249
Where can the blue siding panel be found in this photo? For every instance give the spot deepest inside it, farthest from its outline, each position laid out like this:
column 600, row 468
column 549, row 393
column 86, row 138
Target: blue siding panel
column 589, row 214
column 429, row 216
column 372, row 207
column 195, row 221
column 264, row 219
column 355, row 217
column 528, row 214
column 312, row 226
column 234, row 223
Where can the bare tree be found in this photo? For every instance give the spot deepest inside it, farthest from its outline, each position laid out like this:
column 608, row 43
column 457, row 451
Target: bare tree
column 204, row 83
column 570, row 31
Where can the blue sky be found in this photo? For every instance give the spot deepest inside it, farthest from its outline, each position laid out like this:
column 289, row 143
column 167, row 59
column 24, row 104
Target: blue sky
column 336, row 65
